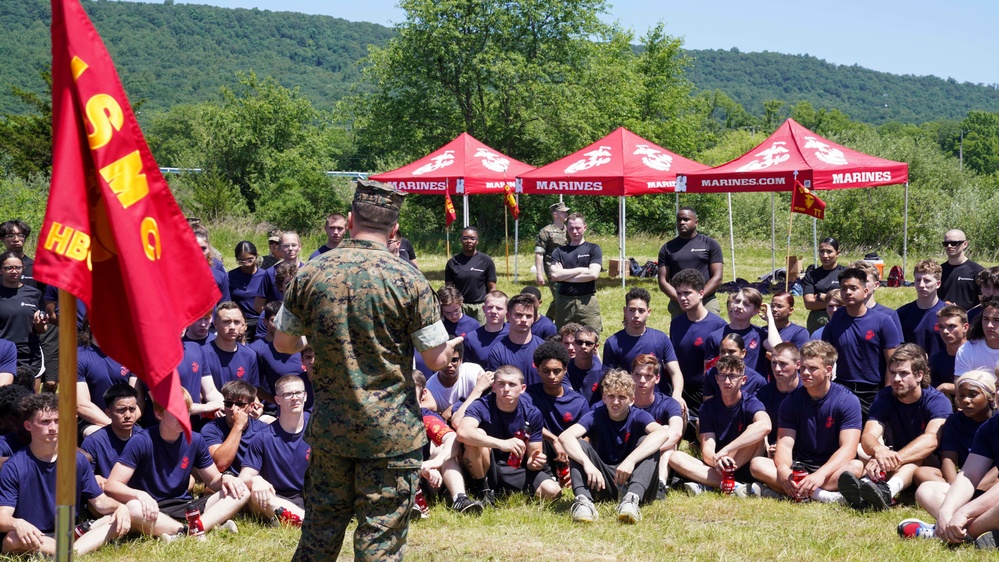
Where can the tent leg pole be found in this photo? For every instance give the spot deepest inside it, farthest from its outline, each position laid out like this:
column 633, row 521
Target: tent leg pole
column 516, row 244
column 620, row 237
column 905, row 230
column 773, row 234
column 464, row 206
column 731, row 236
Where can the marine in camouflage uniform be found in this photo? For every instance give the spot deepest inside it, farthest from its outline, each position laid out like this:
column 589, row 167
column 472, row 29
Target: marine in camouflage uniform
column 550, row 237
column 363, row 311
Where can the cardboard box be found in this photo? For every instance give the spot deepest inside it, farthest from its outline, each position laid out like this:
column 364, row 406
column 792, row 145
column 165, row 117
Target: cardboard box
column 793, row 268
column 615, row 269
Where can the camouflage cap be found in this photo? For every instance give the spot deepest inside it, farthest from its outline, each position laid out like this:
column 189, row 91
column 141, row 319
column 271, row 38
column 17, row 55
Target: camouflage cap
column 560, row 206
column 378, row 194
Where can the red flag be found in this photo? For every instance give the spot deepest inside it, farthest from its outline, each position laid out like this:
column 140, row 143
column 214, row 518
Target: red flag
column 113, row 234
column 511, row 201
column 807, row 203
column 449, row 213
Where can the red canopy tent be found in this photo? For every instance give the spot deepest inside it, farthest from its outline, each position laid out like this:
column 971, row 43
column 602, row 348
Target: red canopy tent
column 463, row 166
column 795, row 154
column 620, row 164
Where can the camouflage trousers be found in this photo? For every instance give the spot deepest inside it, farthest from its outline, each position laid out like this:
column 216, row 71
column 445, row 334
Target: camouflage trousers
column 378, row 492
column 583, row 310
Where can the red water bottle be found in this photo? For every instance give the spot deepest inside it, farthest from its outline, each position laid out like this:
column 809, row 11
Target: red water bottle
column 195, row 527
column 798, row 473
column 563, row 473
column 287, row 517
column 728, row 480
column 514, row 459
column 421, row 503
column 82, row 529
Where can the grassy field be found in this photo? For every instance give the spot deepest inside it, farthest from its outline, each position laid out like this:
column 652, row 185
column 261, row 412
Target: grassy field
column 707, row 527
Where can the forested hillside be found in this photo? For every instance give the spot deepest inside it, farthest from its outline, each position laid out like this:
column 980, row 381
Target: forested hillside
column 173, row 54
column 865, row 95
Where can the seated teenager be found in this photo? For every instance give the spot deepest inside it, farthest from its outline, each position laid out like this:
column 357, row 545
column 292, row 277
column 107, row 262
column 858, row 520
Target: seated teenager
column 227, row 437
column 152, row 477
column 732, row 344
column 440, row 456
column 818, row 429
column 613, row 452
column 479, row 342
column 28, row 486
column 452, row 384
column 952, row 325
column 732, row 430
column 901, row 433
column 277, row 457
column 665, row 410
column 585, row 369
column 502, row 436
column 106, row 444
column 784, row 363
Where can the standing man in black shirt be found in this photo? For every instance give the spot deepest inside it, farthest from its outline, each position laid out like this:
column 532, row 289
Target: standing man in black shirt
column 694, row 251
column 575, row 267
column 958, row 285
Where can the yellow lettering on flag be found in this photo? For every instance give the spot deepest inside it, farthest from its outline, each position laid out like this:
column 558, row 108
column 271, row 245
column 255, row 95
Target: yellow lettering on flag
column 77, row 67
column 67, row 241
column 126, row 179
column 105, row 117
column 151, row 238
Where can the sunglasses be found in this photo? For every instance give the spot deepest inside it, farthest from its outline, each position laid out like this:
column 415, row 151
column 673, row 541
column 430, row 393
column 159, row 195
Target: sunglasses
column 953, row 243
column 585, row 343
column 231, row 403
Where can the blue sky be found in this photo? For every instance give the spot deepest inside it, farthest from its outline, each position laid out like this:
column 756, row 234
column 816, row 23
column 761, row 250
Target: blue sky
column 957, row 39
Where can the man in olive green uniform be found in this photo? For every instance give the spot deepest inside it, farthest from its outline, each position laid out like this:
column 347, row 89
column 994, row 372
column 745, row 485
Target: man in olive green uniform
column 550, row 237
column 363, row 311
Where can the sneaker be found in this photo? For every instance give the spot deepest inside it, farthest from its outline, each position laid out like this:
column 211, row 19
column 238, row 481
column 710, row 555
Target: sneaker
column 583, row 510
column 464, row 504
column 695, row 489
column 916, row 529
column 168, row 538
column 849, row 486
column 763, row 491
column 741, row 490
column 661, row 491
column 627, row 510
column 876, row 494
column 229, row 526
column 488, row 498
column 986, row 540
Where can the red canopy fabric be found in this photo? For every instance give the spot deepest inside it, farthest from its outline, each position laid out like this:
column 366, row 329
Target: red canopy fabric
column 622, row 163
column 483, row 170
column 792, row 149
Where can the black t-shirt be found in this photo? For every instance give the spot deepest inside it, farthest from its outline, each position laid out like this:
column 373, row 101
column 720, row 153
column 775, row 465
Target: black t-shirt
column 17, row 311
column 958, row 284
column 578, row 256
column 469, row 275
column 820, row 280
column 697, row 253
column 406, row 246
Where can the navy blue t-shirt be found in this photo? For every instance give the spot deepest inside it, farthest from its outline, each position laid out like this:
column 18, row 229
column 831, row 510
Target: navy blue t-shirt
column 479, row 343
column 29, row 486
column 793, row 333
column 861, row 342
column 920, row 326
column 689, row 342
column 586, row 382
column 243, row 289
column 662, row 408
column 222, row 282
column 772, row 398
column 621, row 349
column 502, row 425
column 905, row 422
column 941, row 367
column 465, row 325
column 8, row 357
column 100, row 372
column 272, row 364
column 817, row 423
column 958, row 434
column 559, row 413
column 281, row 458
column 216, row 431
column 192, row 367
column 231, row 366
column 163, row 469
column 986, row 442
column 505, row 352
column 725, row 422
column 543, row 327
column 104, row 447
column 615, row 440
column 752, row 336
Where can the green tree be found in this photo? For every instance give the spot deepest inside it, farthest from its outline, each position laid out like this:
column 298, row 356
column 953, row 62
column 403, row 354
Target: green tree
column 26, row 139
column 981, row 141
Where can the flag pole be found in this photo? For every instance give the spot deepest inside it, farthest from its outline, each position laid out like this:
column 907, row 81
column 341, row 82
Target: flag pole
column 66, row 460
column 506, row 239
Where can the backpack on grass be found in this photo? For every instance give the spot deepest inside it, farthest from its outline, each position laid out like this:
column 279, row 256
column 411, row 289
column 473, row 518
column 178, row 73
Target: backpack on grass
column 896, row 277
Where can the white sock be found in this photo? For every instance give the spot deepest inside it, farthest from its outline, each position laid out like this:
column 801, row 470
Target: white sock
column 824, row 496
column 895, row 485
